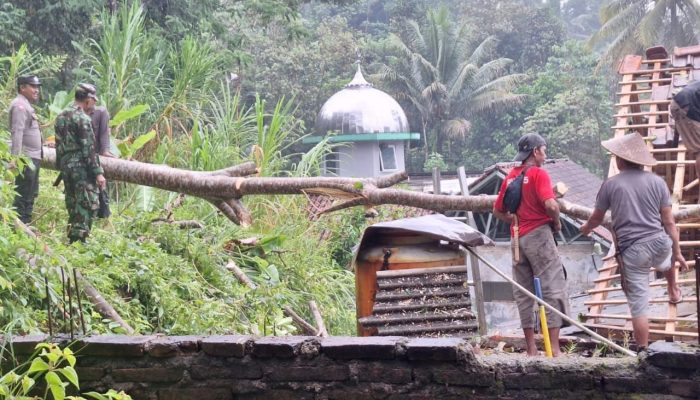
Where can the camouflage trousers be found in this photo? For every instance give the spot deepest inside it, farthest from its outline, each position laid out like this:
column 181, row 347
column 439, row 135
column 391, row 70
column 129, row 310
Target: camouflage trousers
column 82, row 202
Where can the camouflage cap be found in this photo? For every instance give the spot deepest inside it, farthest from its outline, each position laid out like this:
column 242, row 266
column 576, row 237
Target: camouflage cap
column 28, row 80
column 86, row 90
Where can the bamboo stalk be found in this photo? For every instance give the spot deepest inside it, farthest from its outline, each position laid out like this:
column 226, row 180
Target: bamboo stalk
column 322, row 332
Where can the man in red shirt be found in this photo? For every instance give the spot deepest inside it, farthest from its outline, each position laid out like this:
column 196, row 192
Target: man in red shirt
column 537, row 218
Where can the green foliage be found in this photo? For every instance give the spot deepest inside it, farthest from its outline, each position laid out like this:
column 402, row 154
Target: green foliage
column 526, row 31
column 310, row 71
column 52, row 368
column 274, row 133
column 124, row 61
column 435, row 160
column 573, row 107
column 447, row 78
column 630, row 26
column 127, row 149
column 49, row 26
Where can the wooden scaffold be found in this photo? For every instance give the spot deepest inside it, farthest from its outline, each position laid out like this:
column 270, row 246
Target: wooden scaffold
column 646, row 89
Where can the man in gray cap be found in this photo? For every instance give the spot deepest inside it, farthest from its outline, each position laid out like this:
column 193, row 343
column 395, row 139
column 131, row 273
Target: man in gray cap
column 26, row 140
column 535, row 216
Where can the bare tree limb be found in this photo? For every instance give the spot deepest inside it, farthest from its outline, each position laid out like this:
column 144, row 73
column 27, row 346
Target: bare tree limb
column 305, row 326
column 322, row 332
column 242, row 277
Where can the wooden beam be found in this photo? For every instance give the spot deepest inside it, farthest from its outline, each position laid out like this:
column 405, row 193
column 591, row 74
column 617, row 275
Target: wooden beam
column 660, row 300
column 653, row 331
column 640, row 114
column 657, row 125
column 642, row 102
column 648, row 81
column 651, row 318
column 473, row 261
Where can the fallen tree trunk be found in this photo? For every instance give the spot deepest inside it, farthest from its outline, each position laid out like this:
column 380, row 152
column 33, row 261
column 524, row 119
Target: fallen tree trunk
column 224, row 188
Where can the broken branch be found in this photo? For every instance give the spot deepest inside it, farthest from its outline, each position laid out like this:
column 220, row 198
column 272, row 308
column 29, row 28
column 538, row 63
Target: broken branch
column 305, row 326
column 242, row 277
column 322, row 332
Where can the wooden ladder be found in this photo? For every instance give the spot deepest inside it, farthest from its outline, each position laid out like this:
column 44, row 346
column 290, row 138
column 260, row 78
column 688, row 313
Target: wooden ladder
column 642, row 107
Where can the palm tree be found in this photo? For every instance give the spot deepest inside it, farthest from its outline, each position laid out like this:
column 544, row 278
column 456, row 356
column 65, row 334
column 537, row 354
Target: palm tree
column 446, row 78
column 633, row 25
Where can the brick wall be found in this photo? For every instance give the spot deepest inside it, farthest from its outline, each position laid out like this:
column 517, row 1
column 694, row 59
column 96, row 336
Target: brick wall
column 243, row 367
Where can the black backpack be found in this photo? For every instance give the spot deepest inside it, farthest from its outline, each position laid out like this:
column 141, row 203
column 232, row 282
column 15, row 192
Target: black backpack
column 514, row 192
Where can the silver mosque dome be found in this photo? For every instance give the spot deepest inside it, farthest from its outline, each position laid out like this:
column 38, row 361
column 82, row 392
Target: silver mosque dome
column 359, row 108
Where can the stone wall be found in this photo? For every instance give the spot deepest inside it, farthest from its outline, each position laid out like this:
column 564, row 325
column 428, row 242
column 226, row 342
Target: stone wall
column 243, row 367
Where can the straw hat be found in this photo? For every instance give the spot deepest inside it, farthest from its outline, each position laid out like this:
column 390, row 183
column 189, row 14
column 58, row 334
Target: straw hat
column 631, row 148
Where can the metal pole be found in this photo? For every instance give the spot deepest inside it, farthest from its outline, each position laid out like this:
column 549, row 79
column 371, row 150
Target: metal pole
column 552, row 309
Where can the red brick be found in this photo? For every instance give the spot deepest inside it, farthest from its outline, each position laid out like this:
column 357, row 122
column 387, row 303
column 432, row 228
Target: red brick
column 225, row 345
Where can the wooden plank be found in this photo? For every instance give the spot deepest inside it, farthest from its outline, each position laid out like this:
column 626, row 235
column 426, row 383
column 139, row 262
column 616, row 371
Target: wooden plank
column 658, row 283
column 642, row 102
column 474, row 261
column 691, row 184
column 660, row 80
column 641, row 114
column 421, row 271
column 680, row 163
column 657, row 125
column 651, row 318
column 666, row 150
column 659, row 300
column 686, row 51
column 688, row 225
column 662, row 60
column 629, row 65
column 654, row 331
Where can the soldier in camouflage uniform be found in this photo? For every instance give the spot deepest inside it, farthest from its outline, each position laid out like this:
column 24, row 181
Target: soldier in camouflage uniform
column 79, row 163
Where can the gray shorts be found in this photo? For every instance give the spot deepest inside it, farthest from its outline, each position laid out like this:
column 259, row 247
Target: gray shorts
column 638, row 259
column 539, row 258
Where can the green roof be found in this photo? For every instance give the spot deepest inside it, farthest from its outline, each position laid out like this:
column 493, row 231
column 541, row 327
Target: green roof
column 365, row 137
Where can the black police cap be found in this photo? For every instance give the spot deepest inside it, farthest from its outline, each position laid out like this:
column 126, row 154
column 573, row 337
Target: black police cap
column 29, row 80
